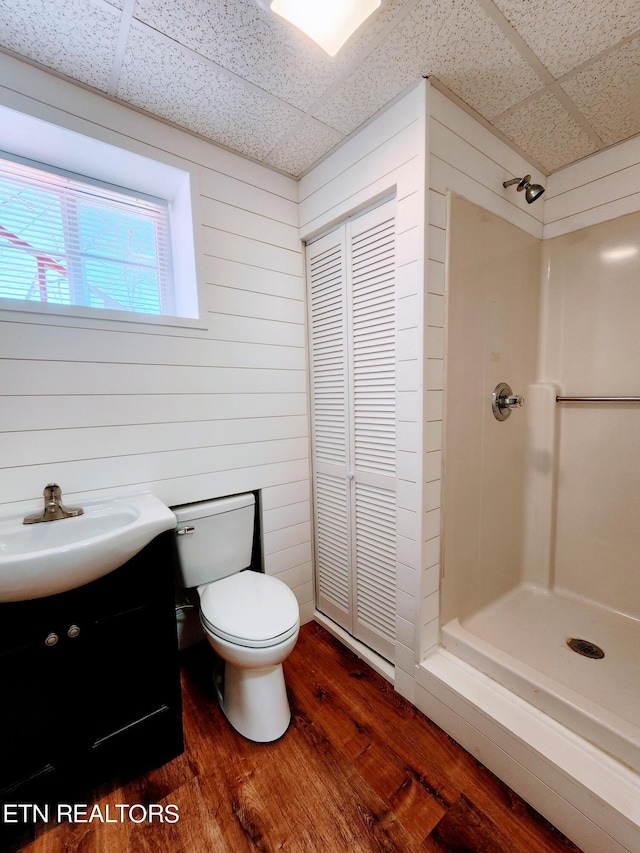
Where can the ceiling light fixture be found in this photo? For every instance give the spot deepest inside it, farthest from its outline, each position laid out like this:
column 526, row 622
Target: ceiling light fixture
column 328, row 22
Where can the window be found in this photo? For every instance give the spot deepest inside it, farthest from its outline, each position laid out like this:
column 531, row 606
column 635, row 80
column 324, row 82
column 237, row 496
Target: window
column 65, row 241
column 101, row 232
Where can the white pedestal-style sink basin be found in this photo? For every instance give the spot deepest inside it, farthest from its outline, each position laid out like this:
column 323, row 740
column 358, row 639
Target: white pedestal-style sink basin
column 43, row 559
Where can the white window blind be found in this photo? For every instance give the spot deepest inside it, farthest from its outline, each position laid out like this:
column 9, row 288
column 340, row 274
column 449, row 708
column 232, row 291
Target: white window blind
column 66, row 240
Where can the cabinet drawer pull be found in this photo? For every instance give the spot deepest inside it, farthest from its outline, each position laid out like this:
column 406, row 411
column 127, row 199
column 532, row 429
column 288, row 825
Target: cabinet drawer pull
column 182, row 531
column 51, row 639
column 73, row 631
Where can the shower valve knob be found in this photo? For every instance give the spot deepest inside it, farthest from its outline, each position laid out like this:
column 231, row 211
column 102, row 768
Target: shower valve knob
column 503, row 400
column 514, row 402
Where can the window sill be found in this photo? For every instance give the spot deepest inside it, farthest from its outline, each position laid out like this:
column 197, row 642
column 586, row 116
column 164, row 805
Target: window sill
column 79, row 316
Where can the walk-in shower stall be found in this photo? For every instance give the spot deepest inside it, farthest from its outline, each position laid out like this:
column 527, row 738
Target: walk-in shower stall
column 541, row 565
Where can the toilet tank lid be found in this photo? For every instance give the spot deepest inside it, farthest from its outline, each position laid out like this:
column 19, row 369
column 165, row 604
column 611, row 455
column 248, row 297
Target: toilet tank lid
column 203, row 509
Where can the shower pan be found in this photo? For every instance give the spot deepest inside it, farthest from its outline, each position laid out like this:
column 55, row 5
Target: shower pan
column 522, row 640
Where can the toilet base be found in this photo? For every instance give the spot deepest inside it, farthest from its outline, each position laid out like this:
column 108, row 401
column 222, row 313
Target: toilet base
column 254, row 701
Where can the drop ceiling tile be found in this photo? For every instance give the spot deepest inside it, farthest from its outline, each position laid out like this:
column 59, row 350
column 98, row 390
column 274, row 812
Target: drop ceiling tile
column 243, row 38
column 355, row 100
column 453, row 40
column 257, row 45
column 478, row 62
column 565, row 33
column 304, row 146
column 546, row 131
column 171, row 82
column 73, row 37
column 608, row 93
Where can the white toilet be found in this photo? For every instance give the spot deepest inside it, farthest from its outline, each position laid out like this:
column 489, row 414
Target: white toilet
column 250, row 619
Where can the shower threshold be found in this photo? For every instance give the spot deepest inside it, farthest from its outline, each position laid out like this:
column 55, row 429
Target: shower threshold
column 521, row 641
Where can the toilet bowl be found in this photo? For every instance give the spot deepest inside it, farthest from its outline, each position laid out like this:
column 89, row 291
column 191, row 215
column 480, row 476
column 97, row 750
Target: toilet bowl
column 251, row 621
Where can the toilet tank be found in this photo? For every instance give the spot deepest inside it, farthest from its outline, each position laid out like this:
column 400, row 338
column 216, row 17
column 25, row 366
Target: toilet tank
column 217, row 540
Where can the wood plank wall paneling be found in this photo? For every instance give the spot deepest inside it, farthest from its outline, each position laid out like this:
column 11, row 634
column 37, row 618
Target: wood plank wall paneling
column 388, row 156
column 468, row 159
column 383, row 157
column 594, row 190
column 187, row 414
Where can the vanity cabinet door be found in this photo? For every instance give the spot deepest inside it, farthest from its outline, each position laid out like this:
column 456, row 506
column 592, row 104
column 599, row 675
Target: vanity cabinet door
column 27, row 743
column 134, row 675
column 90, row 678
column 134, row 701
column 36, row 722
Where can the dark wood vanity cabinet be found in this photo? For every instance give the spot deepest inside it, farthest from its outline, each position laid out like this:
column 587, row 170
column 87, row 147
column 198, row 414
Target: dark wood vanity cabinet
column 90, row 683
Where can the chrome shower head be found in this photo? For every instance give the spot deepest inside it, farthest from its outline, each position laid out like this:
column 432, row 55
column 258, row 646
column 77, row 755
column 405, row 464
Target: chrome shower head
column 531, row 191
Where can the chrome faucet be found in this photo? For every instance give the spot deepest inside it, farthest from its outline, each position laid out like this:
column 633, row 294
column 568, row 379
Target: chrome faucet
column 53, row 507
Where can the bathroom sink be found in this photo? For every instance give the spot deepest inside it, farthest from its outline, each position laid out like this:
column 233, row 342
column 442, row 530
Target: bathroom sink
column 37, row 560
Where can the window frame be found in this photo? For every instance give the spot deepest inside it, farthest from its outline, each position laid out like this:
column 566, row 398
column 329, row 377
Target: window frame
column 25, row 138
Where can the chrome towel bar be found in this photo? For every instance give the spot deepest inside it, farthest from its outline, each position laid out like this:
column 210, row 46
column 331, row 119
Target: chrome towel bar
column 597, row 399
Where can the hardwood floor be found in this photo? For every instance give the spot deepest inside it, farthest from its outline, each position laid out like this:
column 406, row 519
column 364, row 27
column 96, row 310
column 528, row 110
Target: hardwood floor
column 359, row 769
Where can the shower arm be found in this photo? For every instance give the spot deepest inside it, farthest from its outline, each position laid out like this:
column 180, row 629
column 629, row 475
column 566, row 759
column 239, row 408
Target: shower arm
column 520, row 181
column 531, row 191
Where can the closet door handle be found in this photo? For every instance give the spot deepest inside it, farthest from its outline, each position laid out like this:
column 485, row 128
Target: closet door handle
column 349, row 475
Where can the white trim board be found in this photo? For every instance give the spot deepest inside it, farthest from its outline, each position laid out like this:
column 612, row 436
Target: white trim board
column 589, row 796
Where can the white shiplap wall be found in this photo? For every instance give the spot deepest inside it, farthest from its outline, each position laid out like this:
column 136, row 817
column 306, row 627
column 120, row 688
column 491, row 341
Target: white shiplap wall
column 597, row 189
column 187, row 414
column 388, row 157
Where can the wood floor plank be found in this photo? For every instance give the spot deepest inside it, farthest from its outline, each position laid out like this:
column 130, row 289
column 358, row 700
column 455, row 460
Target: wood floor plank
column 465, row 828
column 440, row 763
column 359, row 770
column 351, row 727
column 340, row 675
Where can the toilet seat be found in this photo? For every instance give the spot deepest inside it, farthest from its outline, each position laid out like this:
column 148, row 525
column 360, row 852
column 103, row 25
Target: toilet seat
column 249, row 609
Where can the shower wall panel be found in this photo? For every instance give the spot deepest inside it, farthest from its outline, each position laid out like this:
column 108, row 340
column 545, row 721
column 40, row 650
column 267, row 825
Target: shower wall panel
column 593, row 348
column 492, row 332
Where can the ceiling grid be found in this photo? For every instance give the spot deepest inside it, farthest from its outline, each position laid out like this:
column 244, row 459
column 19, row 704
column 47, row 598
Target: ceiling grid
column 558, row 79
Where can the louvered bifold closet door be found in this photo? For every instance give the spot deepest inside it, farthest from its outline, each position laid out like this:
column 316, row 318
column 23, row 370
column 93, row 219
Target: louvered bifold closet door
column 351, row 279
column 373, row 425
column 326, row 275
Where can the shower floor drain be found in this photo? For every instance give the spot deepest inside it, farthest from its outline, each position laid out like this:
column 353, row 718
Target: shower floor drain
column 585, row 648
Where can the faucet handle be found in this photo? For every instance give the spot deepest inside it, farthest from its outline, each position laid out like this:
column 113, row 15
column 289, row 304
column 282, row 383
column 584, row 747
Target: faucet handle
column 515, row 401
column 503, row 400
column 52, row 495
